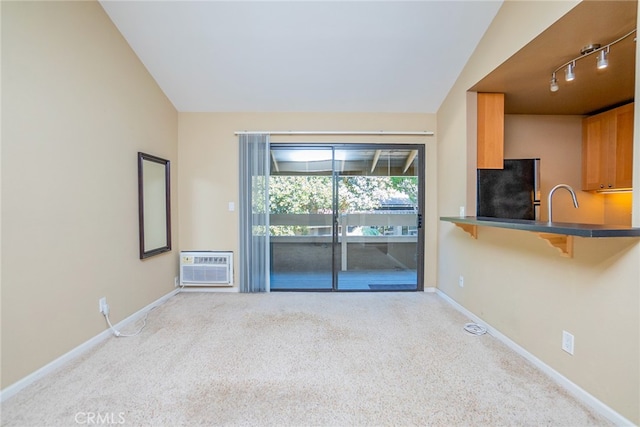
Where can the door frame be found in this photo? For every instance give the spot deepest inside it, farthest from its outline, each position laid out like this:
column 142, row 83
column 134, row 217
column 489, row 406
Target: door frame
column 420, row 245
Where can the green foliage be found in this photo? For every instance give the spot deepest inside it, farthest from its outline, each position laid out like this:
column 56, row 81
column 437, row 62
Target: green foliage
column 361, row 193
column 406, row 185
column 300, row 194
column 314, row 195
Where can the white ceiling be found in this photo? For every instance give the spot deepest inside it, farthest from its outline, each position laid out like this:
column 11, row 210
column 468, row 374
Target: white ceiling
column 304, row 56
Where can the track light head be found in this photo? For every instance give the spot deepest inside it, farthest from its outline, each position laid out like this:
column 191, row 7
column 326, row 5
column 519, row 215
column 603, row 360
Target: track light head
column 554, row 83
column 603, row 60
column 569, row 74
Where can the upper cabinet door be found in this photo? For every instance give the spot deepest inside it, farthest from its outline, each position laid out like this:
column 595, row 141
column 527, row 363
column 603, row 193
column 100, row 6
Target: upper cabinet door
column 595, row 137
column 621, row 169
column 490, row 130
column 607, row 150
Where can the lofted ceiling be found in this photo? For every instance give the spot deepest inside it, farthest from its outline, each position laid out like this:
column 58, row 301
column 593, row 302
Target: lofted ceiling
column 304, row 56
column 524, row 78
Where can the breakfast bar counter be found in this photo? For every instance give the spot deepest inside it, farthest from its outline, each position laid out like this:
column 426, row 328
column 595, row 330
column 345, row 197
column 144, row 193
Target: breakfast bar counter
column 557, row 234
column 567, row 228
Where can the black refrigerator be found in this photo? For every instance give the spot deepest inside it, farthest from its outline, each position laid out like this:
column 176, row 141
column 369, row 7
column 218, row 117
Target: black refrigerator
column 512, row 192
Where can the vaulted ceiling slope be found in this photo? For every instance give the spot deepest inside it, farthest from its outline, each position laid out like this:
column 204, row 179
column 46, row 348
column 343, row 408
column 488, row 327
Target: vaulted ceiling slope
column 303, row 56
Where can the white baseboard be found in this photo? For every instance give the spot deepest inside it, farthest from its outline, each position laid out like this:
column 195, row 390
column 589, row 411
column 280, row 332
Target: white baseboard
column 19, row 385
column 561, row 380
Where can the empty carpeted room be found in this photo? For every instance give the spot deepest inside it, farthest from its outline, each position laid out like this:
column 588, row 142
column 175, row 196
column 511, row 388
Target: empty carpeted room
column 269, row 213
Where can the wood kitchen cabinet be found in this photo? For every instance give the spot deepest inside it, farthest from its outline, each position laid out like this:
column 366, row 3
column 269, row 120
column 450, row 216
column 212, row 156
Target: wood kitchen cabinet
column 490, row 131
column 607, row 150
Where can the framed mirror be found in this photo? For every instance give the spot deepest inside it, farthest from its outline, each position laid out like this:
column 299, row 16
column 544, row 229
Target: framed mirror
column 154, row 205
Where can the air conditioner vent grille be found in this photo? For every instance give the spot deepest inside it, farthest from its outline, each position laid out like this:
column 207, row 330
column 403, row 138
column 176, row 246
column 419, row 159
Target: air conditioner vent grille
column 210, row 260
column 201, row 274
column 206, row 268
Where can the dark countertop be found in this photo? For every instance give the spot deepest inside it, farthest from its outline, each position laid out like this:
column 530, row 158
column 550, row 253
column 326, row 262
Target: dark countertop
column 568, row 228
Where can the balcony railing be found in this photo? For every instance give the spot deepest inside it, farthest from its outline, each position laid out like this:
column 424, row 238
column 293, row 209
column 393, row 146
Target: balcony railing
column 399, row 229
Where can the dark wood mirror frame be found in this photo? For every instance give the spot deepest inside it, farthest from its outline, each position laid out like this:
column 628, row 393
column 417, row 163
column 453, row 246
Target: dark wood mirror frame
column 154, row 205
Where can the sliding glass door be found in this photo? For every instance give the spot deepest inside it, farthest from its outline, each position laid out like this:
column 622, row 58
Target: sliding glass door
column 346, row 217
column 378, row 217
column 301, row 205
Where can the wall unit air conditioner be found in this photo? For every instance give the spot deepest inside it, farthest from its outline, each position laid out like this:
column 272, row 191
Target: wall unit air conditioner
column 206, row 268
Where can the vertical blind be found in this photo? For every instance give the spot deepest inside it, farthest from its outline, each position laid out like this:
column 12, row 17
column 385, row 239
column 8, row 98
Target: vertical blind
column 254, row 213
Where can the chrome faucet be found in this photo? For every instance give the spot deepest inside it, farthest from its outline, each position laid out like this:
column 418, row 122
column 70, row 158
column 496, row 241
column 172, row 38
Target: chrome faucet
column 573, row 195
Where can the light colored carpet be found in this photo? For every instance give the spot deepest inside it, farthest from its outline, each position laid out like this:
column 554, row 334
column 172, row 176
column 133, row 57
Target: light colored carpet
column 300, row 359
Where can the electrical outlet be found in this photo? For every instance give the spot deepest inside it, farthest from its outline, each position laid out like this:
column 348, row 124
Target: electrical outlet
column 176, row 281
column 567, row 342
column 103, row 306
column 461, row 211
column 461, row 281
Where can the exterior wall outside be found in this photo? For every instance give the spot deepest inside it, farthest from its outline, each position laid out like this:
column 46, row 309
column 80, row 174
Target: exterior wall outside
column 513, row 280
column 77, row 107
column 208, row 176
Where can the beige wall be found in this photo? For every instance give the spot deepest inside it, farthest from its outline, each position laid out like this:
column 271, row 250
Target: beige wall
column 77, row 107
column 635, row 201
column 618, row 208
column 208, row 177
column 513, row 280
column 557, row 141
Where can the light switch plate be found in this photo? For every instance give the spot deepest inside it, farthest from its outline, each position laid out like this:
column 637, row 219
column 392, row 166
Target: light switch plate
column 567, row 342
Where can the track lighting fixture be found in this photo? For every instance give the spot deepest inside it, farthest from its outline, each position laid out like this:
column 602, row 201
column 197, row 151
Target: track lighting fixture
column 554, row 83
column 601, row 63
column 569, row 74
column 603, row 59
